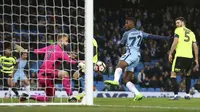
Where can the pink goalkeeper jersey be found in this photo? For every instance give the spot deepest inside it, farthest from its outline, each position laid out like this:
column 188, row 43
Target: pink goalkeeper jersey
column 53, row 53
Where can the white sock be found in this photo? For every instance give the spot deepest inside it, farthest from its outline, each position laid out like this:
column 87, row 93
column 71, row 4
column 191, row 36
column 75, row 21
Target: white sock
column 9, row 91
column 27, row 89
column 132, row 88
column 187, row 95
column 118, row 72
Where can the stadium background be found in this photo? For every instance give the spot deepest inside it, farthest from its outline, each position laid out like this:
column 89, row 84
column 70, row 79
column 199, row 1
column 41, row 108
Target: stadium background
column 154, row 16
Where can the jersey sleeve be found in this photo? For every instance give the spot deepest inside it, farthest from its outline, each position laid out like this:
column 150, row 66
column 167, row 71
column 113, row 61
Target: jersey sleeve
column 0, row 59
column 176, row 33
column 42, row 50
column 66, row 57
column 124, row 38
column 145, row 35
column 193, row 38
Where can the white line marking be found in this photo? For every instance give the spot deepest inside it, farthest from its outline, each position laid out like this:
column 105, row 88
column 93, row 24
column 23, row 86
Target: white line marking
column 153, row 107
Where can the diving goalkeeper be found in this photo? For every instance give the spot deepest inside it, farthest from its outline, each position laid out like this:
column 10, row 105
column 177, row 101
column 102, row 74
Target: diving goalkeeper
column 48, row 70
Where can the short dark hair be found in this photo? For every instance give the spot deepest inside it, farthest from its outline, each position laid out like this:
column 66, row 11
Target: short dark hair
column 131, row 19
column 181, row 19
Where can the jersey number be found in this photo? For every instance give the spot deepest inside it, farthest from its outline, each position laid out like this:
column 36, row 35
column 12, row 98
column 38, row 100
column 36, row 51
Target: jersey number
column 187, row 36
column 49, row 54
column 139, row 42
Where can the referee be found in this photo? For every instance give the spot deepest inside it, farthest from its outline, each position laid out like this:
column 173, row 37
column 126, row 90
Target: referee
column 184, row 42
column 8, row 64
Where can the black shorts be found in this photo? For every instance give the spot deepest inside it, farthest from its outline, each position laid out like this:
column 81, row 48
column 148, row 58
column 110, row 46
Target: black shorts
column 4, row 78
column 182, row 64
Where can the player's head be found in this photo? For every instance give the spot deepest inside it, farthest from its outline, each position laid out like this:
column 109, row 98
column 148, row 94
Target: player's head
column 24, row 54
column 7, row 51
column 62, row 39
column 130, row 23
column 180, row 22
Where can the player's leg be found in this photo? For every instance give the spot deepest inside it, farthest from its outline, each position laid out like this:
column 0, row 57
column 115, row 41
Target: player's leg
column 174, row 82
column 67, row 86
column 13, row 83
column 77, row 82
column 65, row 81
column 188, row 66
column 23, row 78
column 188, row 85
column 27, row 86
column 48, row 84
column 5, row 84
column 129, row 72
column 123, row 63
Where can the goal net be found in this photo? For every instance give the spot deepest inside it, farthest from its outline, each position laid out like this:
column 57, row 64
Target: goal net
column 27, row 25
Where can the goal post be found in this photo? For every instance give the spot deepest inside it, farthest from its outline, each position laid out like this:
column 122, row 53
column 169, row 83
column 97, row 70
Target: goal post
column 89, row 51
column 30, row 23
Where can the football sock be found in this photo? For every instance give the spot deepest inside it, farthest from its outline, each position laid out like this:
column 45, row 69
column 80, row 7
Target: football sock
column 67, row 85
column 39, row 98
column 15, row 91
column 117, row 74
column 9, row 91
column 28, row 89
column 187, row 94
column 188, row 84
column 175, row 86
column 132, row 88
column 78, row 85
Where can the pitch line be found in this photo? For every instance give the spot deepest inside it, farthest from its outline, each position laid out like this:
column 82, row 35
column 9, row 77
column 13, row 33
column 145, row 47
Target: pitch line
column 151, row 107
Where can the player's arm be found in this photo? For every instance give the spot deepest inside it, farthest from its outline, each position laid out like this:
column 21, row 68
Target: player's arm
column 42, row 50
column 173, row 47
column 123, row 41
column 66, row 57
column 146, row 35
column 196, row 51
column 15, row 63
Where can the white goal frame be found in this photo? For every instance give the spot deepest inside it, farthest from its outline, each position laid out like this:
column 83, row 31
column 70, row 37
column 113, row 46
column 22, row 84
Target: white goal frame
column 88, row 99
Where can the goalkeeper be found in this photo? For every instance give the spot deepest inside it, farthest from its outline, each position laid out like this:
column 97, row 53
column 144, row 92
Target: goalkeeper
column 81, row 72
column 48, row 71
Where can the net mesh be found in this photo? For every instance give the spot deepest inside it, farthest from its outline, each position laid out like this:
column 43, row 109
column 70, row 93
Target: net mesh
column 34, row 24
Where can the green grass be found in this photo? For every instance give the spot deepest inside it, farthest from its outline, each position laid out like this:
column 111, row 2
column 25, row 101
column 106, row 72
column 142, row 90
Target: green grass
column 115, row 105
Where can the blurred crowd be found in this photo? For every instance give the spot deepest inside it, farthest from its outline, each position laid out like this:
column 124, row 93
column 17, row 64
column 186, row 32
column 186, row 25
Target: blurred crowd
column 109, row 27
column 35, row 25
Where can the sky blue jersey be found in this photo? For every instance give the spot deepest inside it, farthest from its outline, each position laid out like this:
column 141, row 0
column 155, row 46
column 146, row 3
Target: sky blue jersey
column 133, row 38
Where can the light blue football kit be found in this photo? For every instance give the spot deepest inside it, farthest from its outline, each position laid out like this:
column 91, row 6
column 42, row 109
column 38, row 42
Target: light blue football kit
column 19, row 74
column 133, row 38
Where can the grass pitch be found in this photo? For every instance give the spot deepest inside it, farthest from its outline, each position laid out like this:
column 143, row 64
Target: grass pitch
column 114, row 105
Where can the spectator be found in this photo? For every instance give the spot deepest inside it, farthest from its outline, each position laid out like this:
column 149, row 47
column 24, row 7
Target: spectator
column 161, row 84
column 141, row 77
column 197, row 85
column 153, row 82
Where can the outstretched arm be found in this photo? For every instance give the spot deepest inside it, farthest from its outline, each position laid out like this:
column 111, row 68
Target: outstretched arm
column 158, row 37
column 42, row 50
column 66, row 57
column 147, row 35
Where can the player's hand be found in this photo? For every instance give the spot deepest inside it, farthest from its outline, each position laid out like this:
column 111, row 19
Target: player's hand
column 196, row 66
column 170, row 58
column 73, row 56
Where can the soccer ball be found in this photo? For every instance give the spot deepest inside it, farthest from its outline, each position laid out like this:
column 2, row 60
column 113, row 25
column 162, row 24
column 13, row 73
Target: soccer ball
column 100, row 67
